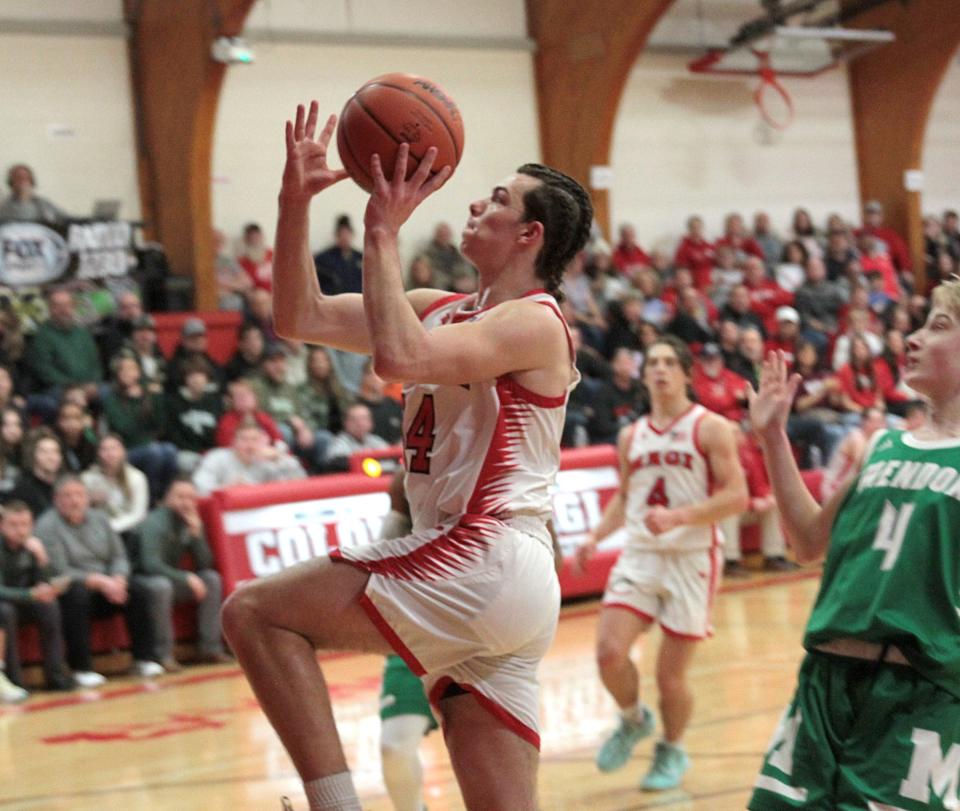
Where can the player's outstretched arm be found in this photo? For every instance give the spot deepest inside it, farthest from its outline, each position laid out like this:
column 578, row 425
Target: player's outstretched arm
column 300, row 311
column 807, row 524
column 615, row 512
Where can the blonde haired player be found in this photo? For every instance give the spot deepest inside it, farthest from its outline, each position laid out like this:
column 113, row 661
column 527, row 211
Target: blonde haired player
column 679, row 476
column 486, row 383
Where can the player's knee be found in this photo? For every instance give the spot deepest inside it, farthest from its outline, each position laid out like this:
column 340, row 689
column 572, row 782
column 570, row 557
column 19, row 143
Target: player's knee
column 238, row 615
column 611, row 655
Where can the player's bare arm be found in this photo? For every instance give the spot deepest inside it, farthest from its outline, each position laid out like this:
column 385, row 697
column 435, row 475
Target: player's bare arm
column 301, row 312
column 806, row 523
column 730, row 487
column 615, row 513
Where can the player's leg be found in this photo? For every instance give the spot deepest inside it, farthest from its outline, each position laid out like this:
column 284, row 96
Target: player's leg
column 275, row 625
column 617, row 631
column 495, row 767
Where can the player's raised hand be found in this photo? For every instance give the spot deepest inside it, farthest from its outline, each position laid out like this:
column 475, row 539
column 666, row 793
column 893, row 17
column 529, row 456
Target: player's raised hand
column 306, row 172
column 771, row 405
column 394, row 200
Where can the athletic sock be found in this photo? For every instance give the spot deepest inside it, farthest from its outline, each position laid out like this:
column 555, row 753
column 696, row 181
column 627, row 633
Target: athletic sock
column 332, row 793
column 634, row 714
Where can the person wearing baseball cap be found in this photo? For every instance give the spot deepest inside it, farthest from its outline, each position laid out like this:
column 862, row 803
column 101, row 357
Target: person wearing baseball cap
column 787, row 335
column 192, row 347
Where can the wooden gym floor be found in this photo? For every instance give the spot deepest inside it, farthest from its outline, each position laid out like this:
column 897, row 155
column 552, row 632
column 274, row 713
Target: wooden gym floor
column 197, row 740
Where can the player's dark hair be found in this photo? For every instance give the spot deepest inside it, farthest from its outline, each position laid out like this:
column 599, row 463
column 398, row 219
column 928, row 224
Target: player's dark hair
column 684, row 355
column 563, row 207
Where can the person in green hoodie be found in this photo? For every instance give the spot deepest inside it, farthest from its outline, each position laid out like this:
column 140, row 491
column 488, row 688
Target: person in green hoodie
column 193, row 412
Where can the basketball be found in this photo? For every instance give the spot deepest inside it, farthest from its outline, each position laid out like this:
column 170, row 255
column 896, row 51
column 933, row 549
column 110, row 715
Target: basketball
column 393, row 109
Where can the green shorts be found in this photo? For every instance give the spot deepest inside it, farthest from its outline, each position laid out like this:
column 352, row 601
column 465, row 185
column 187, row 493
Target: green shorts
column 402, row 692
column 865, row 736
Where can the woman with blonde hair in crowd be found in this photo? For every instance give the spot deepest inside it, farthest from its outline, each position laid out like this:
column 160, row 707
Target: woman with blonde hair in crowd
column 116, row 486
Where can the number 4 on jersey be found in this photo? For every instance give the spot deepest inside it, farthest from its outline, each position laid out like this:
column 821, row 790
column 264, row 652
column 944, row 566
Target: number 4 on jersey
column 658, row 494
column 890, row 532
column 421, row 436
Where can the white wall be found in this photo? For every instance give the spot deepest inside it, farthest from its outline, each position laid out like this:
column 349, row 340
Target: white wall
column 941, row 148
column 686, row 144
column 65, row 109
column 494, row 90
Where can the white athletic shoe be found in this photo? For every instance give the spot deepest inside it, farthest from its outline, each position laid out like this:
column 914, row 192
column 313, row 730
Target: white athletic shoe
column 9, row 692
column 87, row 678
column 147, row 669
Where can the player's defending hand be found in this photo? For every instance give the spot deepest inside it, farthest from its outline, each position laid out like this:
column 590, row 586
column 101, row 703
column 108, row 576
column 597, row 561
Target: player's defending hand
column 306, row 172
column 771, row 405
column 393, row 201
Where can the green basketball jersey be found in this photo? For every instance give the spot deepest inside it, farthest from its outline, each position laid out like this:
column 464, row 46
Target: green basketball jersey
column 892, row 573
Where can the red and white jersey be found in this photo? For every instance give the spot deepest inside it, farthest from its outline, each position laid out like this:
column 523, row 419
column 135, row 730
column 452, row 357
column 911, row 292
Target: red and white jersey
column 668, row 468
column 482, row 448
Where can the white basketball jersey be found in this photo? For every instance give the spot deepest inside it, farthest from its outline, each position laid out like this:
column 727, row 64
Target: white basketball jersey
column 668, row 468
column 489, row 448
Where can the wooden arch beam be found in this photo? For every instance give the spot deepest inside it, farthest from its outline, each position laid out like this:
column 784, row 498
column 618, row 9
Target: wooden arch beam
column 176, row 88
column 892, row 91
column 585, row 52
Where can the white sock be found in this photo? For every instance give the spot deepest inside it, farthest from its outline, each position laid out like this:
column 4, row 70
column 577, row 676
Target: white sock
column 634, row 713
column 332, row 793
column 400, row 738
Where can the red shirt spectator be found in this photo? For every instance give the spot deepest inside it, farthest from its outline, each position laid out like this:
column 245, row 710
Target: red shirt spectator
column 243, row 404
column 861, row 381
column 896, row 246
column 766, row 296
column 696, row 254
column 717, row 388
column 256, row 258
column 786, row 337
column 628, row 255
column 873, row 260
column 736, row 237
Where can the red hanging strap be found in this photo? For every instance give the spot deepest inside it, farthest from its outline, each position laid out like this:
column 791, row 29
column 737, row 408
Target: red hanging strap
column 769, row 82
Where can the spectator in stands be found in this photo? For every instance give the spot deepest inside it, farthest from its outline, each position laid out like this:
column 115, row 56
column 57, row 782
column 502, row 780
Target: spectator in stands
column 738, row 239
column 860, row 386
column 691, row 323
column 818, row 301
column 23, row 204
column 766, row 296
column 116, row 330
column 894, row 244
column 139, row 418
column 449, row 269
column 805, row 232
column 274, row 394
column 62, row 353
column 593, row 369
column 767, row 239
column 752, row 350
column 386, row 412
column 814, row 425
column 578, row 290
column 786, row 338
column 256, row 257
column 625, row 318
column 845, row 461
column 11, row 449
column 297, row 355
column 875, row 259
column 116, row 487
column 838, row 255
column 250, row 459
column 245, row 362
column 728, row 339
column 762, row 509
column 84, row 548
column 8, row 396
column 260, row 312
column 918, row 307
column 172, row 531
column 233, row 283
column 945, row 267
column 27, row 596
column 609, row 285
column 891, row 362
column 618, row 401
column 695, row 253
column 192, row 346
column 655, row 310
column 144, row 348
column 790, row 271
column 12, row 339
column 78, row 440
column 716, row 387
column 858, row 325
column 322, row 398
column 357, row 435
column 193, row 413
column 340, row 266
column 739, row 308
column 726, row 274
column 951, row 233
column 628, row 256
column 42, row 464
column 243, row 403
column 420, row 275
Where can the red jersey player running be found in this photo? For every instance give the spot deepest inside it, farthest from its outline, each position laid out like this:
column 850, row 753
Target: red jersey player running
column 679, row 476
column 486, row 382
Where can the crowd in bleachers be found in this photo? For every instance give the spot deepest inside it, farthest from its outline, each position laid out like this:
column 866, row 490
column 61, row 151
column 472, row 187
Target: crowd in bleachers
column 131, row 426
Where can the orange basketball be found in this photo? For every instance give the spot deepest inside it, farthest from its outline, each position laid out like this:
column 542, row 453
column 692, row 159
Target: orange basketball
column 393, row 109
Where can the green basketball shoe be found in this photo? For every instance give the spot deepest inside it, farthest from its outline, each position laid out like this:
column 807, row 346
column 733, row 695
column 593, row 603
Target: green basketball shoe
column 669, row 765
column 616, row 749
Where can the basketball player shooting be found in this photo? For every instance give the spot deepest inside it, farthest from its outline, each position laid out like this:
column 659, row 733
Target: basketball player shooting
column 486, row 384
column 679, row 476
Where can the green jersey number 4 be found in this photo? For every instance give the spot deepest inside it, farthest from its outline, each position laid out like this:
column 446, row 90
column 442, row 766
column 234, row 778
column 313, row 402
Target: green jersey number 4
column 890, row 532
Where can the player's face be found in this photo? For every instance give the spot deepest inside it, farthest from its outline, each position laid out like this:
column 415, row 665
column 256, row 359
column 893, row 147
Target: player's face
column 496, row 222
column 933, row 356
column 663, row 373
